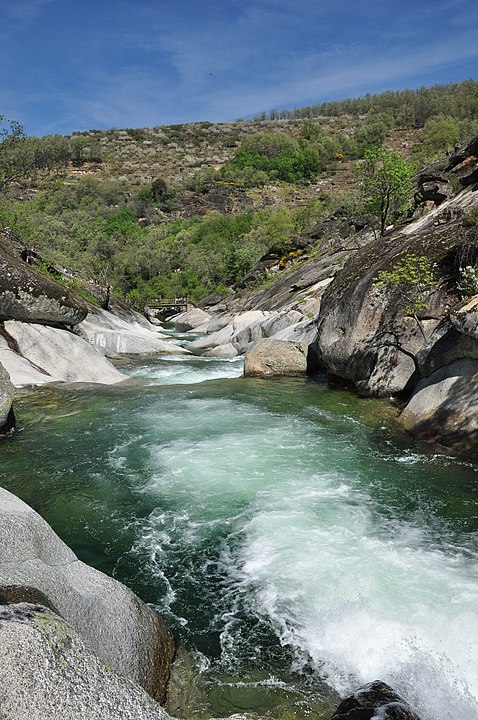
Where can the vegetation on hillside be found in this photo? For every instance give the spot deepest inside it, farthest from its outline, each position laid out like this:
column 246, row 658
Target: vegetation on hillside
column 190, row 209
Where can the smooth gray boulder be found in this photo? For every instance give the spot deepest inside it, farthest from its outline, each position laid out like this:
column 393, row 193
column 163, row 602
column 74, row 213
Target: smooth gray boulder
column 276, row 357
column 222, row 351
column 444, row 407
column 6, row 397
column 48, row 672
column 29, row 296
column 189, row 320
column 115, row 336
column 221, row 337
column 303, row 332
column 214, row 324
column 374, row 701
column 266, row 326
column 36, row 566
column 243, row 319
column 61, row 354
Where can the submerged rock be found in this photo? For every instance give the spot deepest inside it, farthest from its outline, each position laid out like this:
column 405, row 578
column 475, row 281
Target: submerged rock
column 36, row 566
column 374, row 701
column 48, row 672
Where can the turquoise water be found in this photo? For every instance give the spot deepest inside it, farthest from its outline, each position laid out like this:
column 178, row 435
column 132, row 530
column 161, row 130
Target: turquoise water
column 297, row 544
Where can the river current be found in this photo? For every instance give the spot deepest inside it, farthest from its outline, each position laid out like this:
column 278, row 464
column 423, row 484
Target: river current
column 297, row 544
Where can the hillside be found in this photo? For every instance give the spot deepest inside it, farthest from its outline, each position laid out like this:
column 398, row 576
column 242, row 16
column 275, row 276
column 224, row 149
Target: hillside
column 190, row 209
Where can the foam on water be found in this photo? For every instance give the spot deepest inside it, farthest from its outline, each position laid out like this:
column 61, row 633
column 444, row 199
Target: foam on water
column 356, row 593
column 184, row 369
column 287, row 541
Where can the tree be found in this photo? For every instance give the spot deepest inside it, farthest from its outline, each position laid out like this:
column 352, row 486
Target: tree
column 11, row 135
column 385, row 182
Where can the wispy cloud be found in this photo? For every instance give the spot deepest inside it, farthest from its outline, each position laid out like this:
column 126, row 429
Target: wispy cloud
column 84, row 66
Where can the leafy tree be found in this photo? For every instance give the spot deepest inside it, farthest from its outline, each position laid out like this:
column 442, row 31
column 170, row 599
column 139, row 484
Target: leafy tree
column 11, row 136
column 385, row 182
column 411, row 280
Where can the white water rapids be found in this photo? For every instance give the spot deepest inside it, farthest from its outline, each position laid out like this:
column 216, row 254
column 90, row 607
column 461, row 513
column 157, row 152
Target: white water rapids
column 358, row 591
column 288, row 534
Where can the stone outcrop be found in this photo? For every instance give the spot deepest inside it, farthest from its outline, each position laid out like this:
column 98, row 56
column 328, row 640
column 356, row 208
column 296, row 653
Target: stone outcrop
column 48, row 672
column 366, row 336
column 36, row 566
column 433, row 186
column 276, row 357
column 374, row 701
column 48, row 354
column 113, row 336
column 6, row 397
column 29, row 296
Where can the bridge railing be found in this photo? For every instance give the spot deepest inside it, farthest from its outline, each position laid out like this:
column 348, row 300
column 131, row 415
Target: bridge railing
column 159, row 303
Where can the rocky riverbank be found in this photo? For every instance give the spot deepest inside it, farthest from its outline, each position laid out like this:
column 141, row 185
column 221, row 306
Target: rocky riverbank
column 403, row 338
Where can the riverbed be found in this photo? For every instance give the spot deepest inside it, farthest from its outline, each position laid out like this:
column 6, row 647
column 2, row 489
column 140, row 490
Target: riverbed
column 295, row 541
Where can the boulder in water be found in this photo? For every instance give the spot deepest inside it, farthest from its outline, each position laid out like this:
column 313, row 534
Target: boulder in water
column 276, row 357
column 36, row 566
column 189, row 320
column 58, row 355
column 374, row 701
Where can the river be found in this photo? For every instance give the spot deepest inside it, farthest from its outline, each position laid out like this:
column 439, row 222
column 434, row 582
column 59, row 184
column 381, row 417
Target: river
column 294, row 540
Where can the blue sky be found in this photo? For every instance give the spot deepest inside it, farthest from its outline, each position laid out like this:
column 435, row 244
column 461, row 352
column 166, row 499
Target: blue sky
column 70, row 65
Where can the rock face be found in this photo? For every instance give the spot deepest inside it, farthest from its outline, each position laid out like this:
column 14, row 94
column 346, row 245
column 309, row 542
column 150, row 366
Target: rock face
column 55, row 355
column 365, row 335
column 36, row 566
column 28, row 296
column 114, row 336
column 433, row 186
column 374, row 701
column 47, row 672
column 276, row 357
column 6, row 396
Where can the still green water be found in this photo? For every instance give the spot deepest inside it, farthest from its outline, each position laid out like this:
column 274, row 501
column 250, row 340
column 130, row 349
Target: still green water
column 297, row 544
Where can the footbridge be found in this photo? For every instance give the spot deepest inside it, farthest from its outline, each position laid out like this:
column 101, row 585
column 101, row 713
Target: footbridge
column 167, row 306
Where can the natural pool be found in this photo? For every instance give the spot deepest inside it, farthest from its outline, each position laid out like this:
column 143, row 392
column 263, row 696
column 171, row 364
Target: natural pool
column 296, row 543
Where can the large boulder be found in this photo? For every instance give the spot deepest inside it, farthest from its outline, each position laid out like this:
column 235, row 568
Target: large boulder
column 29, row 296
column 189, row 320
column 444, row 407
column 48, row 672
column 266, row 325
column 6, row 396
column 36, row 566
column 220, row 337
column 374, row 701
column 115, row 336
column 366, row 335
column 276, row 357
column 58, row 355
